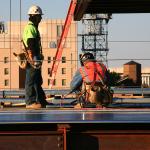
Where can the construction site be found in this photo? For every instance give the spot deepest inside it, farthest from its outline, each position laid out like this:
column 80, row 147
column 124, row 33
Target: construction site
column 118, row 119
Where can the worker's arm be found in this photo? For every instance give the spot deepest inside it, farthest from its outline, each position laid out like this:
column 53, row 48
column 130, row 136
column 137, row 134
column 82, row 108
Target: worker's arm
column 76, row 82
column 31, row 48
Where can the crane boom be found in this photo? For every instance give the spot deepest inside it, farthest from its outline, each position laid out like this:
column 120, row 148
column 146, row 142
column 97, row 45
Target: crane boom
column 62, row 41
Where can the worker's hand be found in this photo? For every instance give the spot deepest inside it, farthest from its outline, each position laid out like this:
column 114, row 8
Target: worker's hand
column 37, row 62
column 30, row 56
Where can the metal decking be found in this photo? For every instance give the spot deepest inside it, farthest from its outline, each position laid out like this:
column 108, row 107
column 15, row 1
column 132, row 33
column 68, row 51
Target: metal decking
column 74, row 116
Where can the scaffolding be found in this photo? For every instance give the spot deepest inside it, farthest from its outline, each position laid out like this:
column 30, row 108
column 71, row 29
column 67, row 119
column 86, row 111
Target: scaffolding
column 95, row 34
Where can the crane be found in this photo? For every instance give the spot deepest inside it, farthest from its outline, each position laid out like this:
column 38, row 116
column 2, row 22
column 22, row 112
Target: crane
column 59, row 51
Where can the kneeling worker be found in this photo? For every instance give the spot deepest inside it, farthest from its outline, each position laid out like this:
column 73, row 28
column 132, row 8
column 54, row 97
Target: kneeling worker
column 90, row 82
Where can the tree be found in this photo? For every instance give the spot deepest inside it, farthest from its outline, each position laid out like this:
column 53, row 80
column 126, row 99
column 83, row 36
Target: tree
column 114, row 77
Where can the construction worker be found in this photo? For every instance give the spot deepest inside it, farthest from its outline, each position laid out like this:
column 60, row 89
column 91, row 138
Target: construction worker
column 34, row 94
column 90, row 81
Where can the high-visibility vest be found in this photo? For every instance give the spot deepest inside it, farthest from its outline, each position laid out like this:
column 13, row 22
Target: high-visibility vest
column 90, row 72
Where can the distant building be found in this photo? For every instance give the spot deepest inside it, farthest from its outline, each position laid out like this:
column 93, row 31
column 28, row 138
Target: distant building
column 132, row 69
column 13, row 77
column 146, row 77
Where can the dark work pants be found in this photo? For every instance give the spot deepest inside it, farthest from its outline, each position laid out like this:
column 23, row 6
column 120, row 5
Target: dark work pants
column 33, row 86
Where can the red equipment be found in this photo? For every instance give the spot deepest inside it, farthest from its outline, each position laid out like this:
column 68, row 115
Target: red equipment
column 62, row 41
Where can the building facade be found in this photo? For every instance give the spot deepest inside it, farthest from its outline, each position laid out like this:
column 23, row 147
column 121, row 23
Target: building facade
column 12, row 77
column 146, row 77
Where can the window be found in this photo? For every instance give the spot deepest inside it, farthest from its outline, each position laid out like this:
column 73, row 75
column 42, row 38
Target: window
column 63, row 59
column 52, row 44
column 54, row 83
column 63, row 70
column 6, row 71
column 2, row 27
column 59, row 30
column 6, row 82
column 58, row 39
column 6, row 60
column 63, row 82
column 49, row 59
column 53, row 58
column 49, row 70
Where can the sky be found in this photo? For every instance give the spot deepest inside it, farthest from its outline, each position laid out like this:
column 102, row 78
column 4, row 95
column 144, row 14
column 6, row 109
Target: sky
column 128, row 34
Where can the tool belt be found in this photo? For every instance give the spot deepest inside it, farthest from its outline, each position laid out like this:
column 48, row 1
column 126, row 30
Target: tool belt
column 98, row 94
column 23, row 59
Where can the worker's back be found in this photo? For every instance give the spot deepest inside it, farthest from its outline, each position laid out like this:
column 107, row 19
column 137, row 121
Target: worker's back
column 90, row 82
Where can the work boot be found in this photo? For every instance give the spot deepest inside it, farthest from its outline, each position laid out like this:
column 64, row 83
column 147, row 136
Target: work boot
column 100, row 106
column 44, row 103
column 34, row 106
column 78, row 105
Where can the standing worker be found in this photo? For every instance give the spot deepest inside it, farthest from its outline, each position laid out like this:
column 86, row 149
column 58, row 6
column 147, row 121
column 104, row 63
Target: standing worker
column 91, row 80
column 34, row 94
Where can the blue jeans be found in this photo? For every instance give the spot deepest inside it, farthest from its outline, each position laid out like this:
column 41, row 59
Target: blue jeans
column 33, row 86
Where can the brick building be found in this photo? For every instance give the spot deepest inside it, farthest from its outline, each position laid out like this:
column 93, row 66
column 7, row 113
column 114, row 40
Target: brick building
column 12, row 77
column 133, row 70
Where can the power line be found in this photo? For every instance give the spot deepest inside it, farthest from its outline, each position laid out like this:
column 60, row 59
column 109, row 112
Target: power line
column 131, row 41
column 111, row 59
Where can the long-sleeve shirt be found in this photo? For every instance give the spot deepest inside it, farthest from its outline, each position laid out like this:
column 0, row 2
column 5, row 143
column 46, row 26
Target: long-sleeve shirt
column 76, row 82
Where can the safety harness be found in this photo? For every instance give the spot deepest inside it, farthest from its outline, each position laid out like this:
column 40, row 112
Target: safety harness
column 94, row 84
